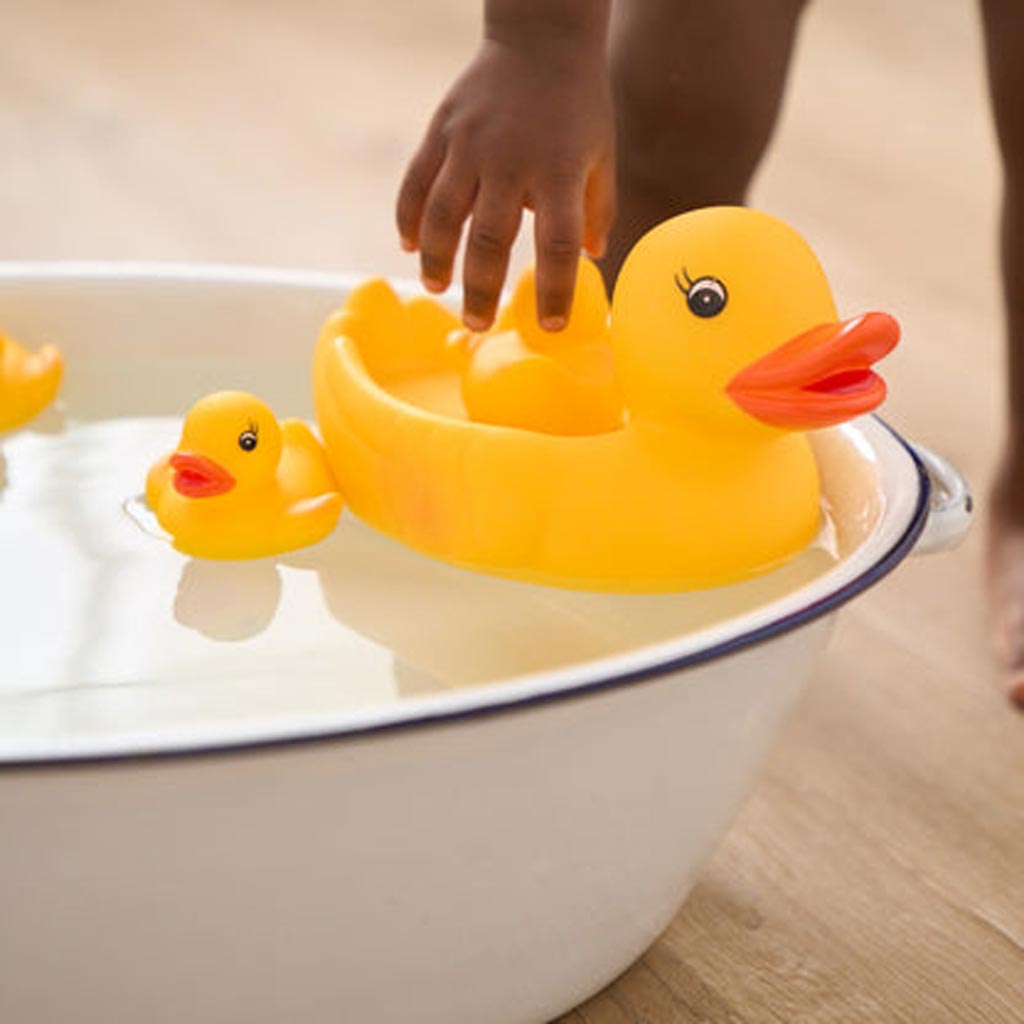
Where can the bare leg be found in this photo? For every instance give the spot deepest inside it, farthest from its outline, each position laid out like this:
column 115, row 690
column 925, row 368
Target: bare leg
column 1004, row 40
column 697, row 89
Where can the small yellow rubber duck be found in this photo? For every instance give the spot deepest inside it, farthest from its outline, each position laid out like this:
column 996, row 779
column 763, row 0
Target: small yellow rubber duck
column 241, row 485
column 518, row 375
column 29, row 381
column 727, row 347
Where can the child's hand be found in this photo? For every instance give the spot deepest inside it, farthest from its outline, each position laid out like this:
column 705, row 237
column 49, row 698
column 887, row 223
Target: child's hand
column 528, row 124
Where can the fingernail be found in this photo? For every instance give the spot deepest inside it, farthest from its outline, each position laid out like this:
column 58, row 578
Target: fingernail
column 552, row 323
column 433, row 286
column 474, row 322
column 407, row 244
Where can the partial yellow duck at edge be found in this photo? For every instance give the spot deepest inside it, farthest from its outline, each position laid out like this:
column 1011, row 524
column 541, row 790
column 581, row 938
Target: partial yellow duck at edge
column 29, row 381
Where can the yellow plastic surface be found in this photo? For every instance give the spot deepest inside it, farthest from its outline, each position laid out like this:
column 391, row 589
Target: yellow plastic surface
column 241, row 485
column 690, row 491
column 29, row 381
column 519, row 375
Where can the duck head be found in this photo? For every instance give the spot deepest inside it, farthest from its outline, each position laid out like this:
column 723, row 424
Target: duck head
column 230, row 440
column 588, row 319
column 724, row 317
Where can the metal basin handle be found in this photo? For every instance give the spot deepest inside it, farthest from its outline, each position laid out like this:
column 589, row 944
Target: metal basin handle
column 950, row 508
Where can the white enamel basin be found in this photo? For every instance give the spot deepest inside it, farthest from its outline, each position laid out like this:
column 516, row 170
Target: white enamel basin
column 352, row 784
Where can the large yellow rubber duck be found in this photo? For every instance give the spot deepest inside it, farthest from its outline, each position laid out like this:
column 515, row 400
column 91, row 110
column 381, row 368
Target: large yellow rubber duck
column 727, row 347
column 241, row 485
column 28, row 381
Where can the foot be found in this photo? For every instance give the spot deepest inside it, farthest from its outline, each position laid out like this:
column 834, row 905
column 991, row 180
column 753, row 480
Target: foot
column 1005, row 564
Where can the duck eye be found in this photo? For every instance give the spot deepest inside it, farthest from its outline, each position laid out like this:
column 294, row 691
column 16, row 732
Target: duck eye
column 706, row 297
column 247, row 440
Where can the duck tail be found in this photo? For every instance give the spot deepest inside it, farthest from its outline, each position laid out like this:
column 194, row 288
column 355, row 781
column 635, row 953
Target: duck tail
column 315, row 516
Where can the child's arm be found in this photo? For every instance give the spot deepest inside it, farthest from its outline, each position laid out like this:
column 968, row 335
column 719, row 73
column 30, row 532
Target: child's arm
column 529, row 123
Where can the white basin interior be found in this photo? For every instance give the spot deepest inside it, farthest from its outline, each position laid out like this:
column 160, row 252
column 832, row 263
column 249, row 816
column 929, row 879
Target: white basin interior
column 114, row 642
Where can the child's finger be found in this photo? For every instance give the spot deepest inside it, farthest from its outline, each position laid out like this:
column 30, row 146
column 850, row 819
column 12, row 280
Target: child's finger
column 598, row 208
column 558, row 234
column 412, row 195
column 496, row 216
column 448, row 205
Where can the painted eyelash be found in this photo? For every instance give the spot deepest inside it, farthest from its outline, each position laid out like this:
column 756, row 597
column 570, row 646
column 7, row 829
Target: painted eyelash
column 684, row 288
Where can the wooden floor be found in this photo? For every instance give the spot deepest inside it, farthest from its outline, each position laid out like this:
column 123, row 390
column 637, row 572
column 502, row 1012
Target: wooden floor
column 878, row 872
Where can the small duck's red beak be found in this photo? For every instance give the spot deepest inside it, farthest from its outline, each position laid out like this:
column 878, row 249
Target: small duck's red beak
column 821, row 377
column 196, row 476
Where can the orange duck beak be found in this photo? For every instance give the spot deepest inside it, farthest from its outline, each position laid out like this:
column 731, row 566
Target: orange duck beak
column 821, row 377
column 196, row 476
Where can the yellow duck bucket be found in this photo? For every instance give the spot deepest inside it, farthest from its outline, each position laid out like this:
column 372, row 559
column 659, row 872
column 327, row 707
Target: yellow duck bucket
column 692, row 468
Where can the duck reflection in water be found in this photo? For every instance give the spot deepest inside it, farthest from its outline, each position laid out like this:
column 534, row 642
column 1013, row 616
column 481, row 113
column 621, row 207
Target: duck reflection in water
column 228, row 601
